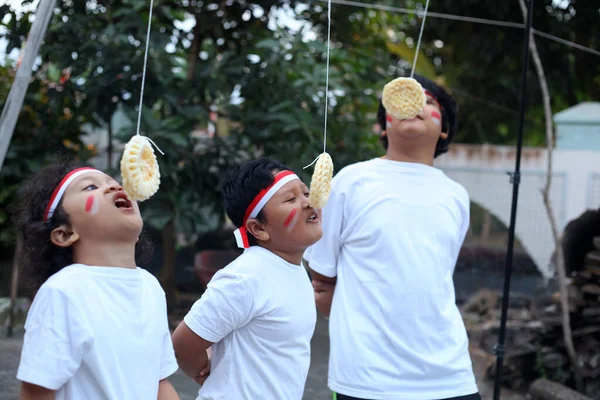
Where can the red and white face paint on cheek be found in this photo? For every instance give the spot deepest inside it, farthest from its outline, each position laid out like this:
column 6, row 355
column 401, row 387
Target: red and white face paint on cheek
column 291, row 220
column 388, row 121
column 92, row 205
column 436, row 117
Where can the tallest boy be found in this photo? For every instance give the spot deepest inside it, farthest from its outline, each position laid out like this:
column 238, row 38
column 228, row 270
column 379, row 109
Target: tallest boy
column 392, row 231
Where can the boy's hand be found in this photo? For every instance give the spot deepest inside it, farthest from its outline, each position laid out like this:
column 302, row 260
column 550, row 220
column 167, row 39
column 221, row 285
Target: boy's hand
column 166, row 391
column 323, row 296
column 206, row 371
column 192, row 352
column 29, row 391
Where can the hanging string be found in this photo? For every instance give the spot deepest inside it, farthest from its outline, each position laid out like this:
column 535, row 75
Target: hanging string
column 327, row 73
column 326, row 82
column 144, row 72
column 139, row 121
column 412, row 72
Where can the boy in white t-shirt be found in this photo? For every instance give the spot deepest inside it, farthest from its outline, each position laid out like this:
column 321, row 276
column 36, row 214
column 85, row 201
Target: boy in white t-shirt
column 392, row 231
column 97, row 328
column 248, row 337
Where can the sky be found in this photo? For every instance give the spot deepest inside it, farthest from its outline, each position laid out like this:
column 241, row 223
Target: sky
column 284, row 17
column 15, row 5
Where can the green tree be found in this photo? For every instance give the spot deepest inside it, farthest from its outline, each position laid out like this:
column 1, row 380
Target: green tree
column 49, row 125
column 265, row 83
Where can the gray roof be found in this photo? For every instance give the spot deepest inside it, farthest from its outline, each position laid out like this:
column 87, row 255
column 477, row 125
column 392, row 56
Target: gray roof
column 587, row 113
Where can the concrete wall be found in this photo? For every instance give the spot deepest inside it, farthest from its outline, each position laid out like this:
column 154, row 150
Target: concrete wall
column 482, row 170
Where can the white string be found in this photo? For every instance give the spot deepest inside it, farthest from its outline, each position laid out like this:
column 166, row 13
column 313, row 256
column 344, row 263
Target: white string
column 155, row 145
column 314, row 161
column 327, row 73
column 431, row 14
column 326, row 83
column 412, row 72
column 482, row 21
column 144, row 73
column 566, row 42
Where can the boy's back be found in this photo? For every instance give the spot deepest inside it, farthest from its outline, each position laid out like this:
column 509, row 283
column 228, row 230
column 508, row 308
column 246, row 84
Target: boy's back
column 268, row 298
column 393, row 234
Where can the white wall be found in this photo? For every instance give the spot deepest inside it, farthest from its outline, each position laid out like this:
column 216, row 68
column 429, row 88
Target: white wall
column 482, row 169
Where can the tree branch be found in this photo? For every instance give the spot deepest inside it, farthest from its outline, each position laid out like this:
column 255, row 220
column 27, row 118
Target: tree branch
column 560, row 260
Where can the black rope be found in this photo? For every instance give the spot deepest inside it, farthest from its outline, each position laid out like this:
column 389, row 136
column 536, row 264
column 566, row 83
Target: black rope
column 515, row 180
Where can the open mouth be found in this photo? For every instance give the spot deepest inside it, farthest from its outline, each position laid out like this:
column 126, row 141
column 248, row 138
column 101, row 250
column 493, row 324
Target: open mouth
column 121, row 200
column 313, row 217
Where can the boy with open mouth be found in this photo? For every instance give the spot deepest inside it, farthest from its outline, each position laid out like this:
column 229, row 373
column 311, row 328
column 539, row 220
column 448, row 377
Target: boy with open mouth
column 97, row 328
column 248, row 337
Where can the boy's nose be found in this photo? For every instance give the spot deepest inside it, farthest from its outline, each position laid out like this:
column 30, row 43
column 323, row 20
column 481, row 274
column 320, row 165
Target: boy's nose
column 305, row 203
column 115, row 188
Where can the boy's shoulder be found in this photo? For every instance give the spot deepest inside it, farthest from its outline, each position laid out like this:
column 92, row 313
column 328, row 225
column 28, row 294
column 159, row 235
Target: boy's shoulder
column 247, row 264
column 250, row 267
column 65, row 278
column 75, row 279
column 240, row 268
column 353, row 172
column 152, row 280
column 65, row 284
column 351, row 169
column 458, row 189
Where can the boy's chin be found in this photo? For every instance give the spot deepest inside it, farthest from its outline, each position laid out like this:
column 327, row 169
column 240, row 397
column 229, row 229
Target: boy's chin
column 123, row 232
column 411, row 134
column 312, row 237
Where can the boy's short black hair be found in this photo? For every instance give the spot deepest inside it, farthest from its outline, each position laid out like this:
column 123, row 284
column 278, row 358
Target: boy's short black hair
column 449, row 110
column 38, row 257
column 243, row 184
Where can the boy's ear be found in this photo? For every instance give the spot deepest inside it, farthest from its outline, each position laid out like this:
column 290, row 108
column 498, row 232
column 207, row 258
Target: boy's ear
column 63, row 236
column 256, row 229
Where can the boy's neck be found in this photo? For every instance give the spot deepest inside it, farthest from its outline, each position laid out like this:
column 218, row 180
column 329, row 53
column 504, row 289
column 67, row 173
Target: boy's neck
column 291, row 257
column 108, row 254
column 418, row 156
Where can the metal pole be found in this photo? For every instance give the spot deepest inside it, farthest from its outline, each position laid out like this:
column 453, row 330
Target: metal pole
column 515, row 180
column 14, row 101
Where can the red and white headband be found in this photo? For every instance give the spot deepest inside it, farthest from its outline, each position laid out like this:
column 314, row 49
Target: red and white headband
column 62, row 187
column 241, row 234
column 427, row 92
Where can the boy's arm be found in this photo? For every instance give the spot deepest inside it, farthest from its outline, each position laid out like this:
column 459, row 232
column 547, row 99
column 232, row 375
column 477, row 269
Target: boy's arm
column 192, row 352
column 226, row 305
column 29, row 391
column 166, row 391
column 324, row 288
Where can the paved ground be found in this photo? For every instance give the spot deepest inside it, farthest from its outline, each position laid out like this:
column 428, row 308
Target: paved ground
column 316, row 385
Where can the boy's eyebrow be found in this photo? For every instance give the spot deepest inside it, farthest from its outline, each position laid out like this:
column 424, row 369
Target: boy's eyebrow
column 85, row 178
column 94, row 178
column 285, row 191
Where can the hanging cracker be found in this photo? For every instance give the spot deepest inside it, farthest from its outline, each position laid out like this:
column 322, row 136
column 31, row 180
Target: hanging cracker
column 139, row 169
column 320, row 184
column 403, row 98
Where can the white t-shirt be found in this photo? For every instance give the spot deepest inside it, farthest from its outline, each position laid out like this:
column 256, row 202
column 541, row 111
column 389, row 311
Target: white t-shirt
column 392, row 232
column 98, row 333
column 260, row 313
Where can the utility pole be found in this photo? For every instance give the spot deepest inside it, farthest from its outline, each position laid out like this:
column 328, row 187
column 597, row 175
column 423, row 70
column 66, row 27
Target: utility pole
column 14, row 101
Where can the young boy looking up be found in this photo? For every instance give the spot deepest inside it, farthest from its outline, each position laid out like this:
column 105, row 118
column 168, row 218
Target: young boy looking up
column 257, row 315
column 97, row 328
column 393, row 228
